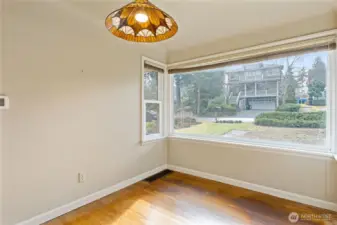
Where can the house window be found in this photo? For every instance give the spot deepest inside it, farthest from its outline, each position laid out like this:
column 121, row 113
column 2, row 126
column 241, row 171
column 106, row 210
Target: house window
column 293, row 110
column 233, row 77
column 152, row 100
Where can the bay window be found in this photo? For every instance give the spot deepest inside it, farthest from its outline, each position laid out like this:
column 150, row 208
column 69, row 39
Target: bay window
column 280, row 95
column 287, row 99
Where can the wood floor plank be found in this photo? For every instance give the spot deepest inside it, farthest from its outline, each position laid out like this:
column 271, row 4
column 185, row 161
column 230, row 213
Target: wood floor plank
column 181, row 199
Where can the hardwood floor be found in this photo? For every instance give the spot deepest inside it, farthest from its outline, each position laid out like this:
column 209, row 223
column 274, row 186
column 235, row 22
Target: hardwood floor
column 180, row 199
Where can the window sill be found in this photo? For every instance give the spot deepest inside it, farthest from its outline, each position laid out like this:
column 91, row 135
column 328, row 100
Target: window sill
column 152, row 139
column 257, row 146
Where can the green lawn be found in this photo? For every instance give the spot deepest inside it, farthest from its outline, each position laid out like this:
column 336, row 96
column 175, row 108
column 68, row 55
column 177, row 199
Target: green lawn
column 311, row 136
column 217, row 128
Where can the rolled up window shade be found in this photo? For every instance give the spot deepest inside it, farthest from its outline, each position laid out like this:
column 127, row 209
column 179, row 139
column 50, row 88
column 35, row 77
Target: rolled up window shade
column 257, row 55
column 152, row 67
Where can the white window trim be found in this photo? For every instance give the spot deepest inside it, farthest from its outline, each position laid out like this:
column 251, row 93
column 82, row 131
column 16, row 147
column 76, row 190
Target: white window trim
column 162, row 95
column 332, row 96
column 328, row 151
column 167, row 111
column 257, row 47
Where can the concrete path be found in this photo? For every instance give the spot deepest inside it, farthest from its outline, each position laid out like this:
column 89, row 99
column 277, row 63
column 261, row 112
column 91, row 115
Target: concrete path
column 246, row 116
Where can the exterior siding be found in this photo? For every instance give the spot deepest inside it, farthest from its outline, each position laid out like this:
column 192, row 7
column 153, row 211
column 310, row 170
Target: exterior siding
column 254, row 83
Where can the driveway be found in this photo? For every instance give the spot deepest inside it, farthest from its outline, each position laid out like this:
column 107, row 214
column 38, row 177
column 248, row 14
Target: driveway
column 246, row 116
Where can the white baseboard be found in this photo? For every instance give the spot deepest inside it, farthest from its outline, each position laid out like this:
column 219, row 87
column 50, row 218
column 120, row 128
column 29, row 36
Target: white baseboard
column 259, row 188
column 42, row 218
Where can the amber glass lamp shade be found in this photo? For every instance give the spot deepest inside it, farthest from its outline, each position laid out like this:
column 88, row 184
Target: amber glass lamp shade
column 141, row 21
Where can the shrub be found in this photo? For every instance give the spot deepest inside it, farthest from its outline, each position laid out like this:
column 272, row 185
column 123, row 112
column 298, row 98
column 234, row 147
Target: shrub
column 320, row 102
column 292, row 119
column 293, row 115
column 220, row 110
column 289, row 107
column 291, row 101
column 184, row 122
column 151, row 127
column 290, row 123
column 218, row 107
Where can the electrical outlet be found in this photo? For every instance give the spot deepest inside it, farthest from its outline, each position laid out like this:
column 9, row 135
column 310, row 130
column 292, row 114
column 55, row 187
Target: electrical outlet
column 4, row 102
column 81, row 177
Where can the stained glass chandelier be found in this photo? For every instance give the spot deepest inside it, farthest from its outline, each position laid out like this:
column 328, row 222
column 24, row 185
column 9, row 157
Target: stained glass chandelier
column 141, row 21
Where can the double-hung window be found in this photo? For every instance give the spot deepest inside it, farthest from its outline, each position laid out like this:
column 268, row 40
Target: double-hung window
column 294, row 107
column 152, row 100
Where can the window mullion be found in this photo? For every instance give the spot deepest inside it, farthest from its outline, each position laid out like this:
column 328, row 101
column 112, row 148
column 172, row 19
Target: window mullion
column 329, row 102
column 152, row 101
column 333, row 100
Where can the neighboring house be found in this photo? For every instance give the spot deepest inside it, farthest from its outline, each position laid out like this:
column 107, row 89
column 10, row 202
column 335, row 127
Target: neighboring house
column 254, row 87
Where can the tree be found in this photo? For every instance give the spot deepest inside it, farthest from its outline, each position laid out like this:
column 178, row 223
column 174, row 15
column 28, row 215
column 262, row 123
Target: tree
column 151, row 85
column 316, row 80
column 301, row 77
column 316, row 89
column 290, row 95
column 318, row 71
column 197, row 89
column 289, row 83
column 178, row 80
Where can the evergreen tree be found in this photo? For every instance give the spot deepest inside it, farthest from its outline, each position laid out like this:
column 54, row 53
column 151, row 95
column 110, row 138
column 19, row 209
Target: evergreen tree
column 316, row 89
column 289, row 83
column 318, row 71
column 316, row 80
column 290, row 94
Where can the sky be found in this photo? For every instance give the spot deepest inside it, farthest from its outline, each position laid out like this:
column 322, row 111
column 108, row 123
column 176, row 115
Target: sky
column 305, row 60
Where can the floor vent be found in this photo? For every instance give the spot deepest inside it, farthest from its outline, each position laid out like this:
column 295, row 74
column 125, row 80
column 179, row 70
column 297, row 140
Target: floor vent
column 158, row 176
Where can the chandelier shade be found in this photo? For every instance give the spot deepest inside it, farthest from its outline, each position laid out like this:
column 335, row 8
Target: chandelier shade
column 141, row 21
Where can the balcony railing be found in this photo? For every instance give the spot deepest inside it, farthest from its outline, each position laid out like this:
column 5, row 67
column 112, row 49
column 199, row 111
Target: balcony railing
column 251, row 78
column 248, row 78
column 269, row 92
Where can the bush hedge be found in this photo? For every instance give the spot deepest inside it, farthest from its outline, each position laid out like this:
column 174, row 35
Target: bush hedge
column 184, row 122
column 151, row 127
column 291, row 101
column 220, row 110
column 289, row 107
column 320, row 102
column 292, row 119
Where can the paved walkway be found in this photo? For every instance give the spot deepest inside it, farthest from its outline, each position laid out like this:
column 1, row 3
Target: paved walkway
column 246, row 116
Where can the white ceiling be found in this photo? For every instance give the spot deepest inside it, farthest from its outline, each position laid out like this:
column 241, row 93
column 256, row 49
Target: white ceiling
column 202, row 21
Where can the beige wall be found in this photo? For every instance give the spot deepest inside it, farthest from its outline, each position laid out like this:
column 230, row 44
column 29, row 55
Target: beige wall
column 309, row 176
column 319, row 23
column 75, row 107
column 69, row 81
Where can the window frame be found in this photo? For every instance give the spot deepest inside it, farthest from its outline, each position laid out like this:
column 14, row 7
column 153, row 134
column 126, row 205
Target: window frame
column 330, row 148
column 167, row 106
column 332, row 98
column 162, row 94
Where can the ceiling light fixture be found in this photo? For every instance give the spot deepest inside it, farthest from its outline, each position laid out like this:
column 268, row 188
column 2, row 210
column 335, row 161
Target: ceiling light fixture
column 141, row 17
column 141, row 21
